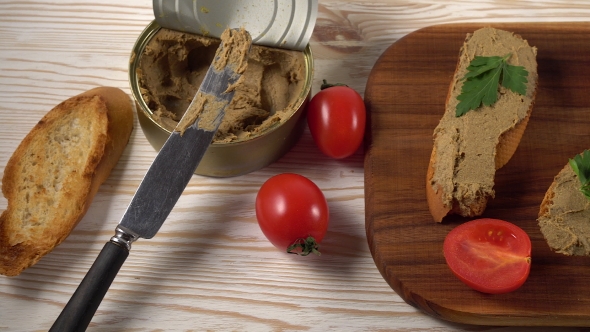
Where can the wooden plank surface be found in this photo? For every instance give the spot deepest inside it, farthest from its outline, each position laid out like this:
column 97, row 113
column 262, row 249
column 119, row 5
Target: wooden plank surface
column 210, row 268
column 406, row 92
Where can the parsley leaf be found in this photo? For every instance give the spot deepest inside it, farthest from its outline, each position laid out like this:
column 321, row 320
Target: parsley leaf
column 581, row 166
column 484, row 74
column 481, row 64
column 514, row 78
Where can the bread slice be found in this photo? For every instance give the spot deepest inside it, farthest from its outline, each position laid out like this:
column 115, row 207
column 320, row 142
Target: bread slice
column 52, row 177
column 565, row 214
column 469, row 149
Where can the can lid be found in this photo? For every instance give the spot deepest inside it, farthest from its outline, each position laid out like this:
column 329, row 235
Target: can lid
column 275, row 23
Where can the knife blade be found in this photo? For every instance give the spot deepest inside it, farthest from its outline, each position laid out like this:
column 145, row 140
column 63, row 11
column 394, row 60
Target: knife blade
column 165, row 179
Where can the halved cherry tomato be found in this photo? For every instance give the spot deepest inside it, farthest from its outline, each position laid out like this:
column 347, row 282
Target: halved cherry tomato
column 336, row 117
column 292, row 213
column 490, row 255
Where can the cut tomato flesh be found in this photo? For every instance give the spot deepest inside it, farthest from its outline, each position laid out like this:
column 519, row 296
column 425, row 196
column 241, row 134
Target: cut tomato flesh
column 489, row 255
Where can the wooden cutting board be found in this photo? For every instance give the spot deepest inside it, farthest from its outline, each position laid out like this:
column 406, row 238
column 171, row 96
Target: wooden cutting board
column 405, row 98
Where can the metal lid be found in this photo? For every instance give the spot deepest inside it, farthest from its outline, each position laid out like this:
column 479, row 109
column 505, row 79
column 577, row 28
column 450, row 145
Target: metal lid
column 275, row 23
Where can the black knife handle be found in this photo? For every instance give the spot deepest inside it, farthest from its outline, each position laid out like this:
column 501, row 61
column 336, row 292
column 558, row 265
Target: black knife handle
column 79, row 311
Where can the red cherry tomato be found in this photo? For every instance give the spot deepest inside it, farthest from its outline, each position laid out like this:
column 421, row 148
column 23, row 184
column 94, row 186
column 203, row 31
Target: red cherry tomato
column 336, row 118
column 292, row 213
column 489, row 255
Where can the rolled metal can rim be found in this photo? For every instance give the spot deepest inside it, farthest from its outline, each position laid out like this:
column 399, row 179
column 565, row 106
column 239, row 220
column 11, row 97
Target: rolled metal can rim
column 138, row 49
column 284, row 24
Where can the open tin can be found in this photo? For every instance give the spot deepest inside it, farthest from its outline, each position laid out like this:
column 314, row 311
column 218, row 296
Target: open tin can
column 237, row 156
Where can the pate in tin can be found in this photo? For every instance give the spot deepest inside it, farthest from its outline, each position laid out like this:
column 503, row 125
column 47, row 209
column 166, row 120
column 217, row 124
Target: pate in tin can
column 263, row 121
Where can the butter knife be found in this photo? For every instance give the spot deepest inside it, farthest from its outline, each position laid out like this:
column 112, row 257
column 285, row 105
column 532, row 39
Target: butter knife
column 165, row 180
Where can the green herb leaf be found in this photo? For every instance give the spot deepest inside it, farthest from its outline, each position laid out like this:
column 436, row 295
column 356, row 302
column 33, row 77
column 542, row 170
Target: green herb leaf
column 481, row 64
column 484, row 74
column 581, row 166
column 478, row 90
column 514, row 78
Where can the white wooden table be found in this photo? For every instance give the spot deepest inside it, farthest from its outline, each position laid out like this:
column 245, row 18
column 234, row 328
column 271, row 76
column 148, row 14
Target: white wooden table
column 210, row 268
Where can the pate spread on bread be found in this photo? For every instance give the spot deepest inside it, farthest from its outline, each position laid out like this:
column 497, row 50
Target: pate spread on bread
column 564, row 216
column 52, row 177
column 468, row 149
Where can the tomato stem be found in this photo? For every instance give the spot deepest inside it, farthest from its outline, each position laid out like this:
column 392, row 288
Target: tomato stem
column 307, row 246
column 326, row 85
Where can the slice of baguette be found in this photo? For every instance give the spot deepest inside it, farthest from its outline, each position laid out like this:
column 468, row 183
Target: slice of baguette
column 469, row 149
column 52, row 177
column 564, row 215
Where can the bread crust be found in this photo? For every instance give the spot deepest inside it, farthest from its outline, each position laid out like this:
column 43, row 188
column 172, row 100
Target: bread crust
column 507, row 144
column 437, row 208
column 547, row 200
column 120, row 126
column 24, row 239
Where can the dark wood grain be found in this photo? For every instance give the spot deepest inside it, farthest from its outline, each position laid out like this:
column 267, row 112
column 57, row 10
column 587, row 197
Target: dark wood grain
column 405, row 97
